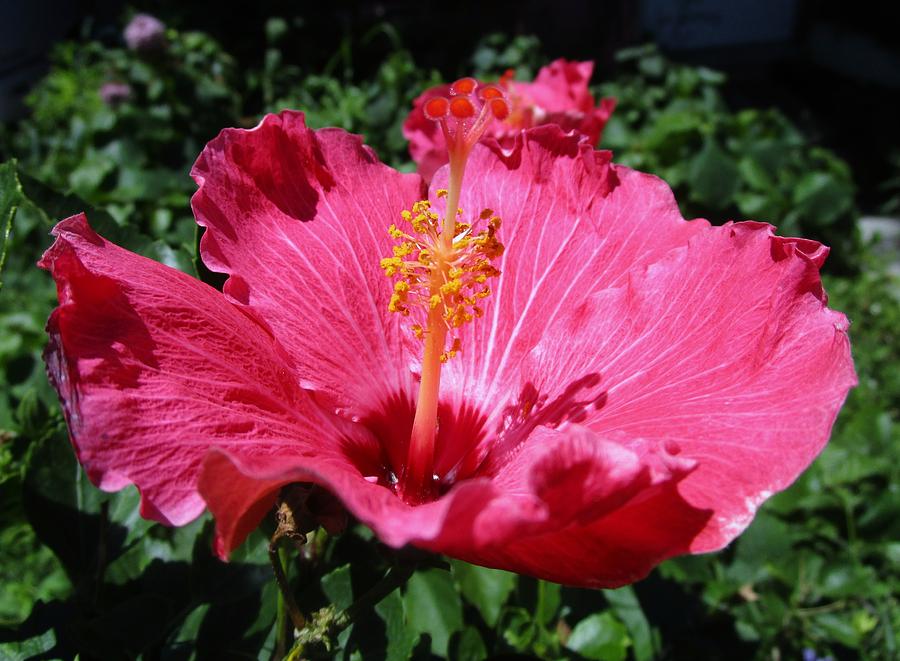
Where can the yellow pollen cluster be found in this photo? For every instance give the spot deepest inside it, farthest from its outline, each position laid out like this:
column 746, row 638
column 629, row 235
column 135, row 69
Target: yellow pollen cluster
column 429, row 276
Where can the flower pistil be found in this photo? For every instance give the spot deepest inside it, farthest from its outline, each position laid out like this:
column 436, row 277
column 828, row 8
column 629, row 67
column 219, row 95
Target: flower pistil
column 442, row 266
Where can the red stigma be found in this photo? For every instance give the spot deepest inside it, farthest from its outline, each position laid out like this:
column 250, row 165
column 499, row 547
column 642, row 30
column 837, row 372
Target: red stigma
column 499, row 108
column 466, row 113
column 461, row 107
column 436, row 108
column 490, row 92
column 464, row 86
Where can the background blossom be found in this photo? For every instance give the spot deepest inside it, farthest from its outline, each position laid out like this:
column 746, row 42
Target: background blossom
column 145, row 33
column 558, row 95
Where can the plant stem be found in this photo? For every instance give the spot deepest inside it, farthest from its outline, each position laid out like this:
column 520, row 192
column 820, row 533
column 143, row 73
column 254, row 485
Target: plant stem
column 417, row 480
column 396, row 577
column 284, row 589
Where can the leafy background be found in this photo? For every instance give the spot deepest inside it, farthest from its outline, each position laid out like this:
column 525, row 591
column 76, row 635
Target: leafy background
column 816, row 574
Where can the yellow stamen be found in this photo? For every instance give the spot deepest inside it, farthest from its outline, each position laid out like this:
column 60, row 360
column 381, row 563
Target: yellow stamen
column 440, row 287
column 441, row 267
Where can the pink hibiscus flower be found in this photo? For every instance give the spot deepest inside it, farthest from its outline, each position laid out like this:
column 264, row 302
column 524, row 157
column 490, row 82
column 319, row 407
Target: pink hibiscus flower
column 636, row 384
column 559, row 95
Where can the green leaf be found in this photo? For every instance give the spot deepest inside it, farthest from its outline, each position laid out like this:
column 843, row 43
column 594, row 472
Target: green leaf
column 467, row 645
column 834, row 626
column 338, row 588
column 600, row 636
column 401, row 640
column 823, row 196
column 519, row 630
column 185, row 635
column 433, row 607
column 714, row 176
column 549, row 596
column 64, row 508
column 87, row 177
column 27, row 649
column 486, row 589
column 768, row 539
column 29, row 572
column 178, row 258
column 10, row 197
column 624, row 603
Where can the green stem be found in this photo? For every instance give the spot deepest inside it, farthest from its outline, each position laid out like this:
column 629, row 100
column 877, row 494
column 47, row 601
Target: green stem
column 392, row 580
column 276, row 557
column 319, row 637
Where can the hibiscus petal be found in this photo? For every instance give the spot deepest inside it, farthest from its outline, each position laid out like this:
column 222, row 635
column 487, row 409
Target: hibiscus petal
column 154, row 367
column 606, row 512
column 561, row 85
column 561, row 95
column 298, row 219
column 724, row 350
column 237, row 490
column 573, row 224
column 613, row 510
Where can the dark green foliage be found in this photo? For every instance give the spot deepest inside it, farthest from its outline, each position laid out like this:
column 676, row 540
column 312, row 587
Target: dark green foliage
column 83, row 574
column 671, row 120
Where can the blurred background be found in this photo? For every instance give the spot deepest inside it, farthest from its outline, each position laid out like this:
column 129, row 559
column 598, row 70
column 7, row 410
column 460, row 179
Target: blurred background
column 784, row 111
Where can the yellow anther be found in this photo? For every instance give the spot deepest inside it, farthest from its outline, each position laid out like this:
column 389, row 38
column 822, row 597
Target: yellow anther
column 391, row 265
column 455, row 348
column 451, row 287
column 396, row 305
column 403, row 249
column 448, row 279
column 441, row 192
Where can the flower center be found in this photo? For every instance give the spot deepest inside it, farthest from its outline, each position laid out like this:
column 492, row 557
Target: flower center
column 441, row 267
column 450, row 282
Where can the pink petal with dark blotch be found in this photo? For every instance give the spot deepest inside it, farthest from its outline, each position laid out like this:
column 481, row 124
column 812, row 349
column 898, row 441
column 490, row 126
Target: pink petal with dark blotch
column 612, row 510
column 562, row 485
column 154, row 368
column 298, row 219
column 724, row 351
column 573, row 225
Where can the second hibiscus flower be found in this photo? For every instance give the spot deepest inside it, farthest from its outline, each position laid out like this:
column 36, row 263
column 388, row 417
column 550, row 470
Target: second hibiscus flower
column 559, row 95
